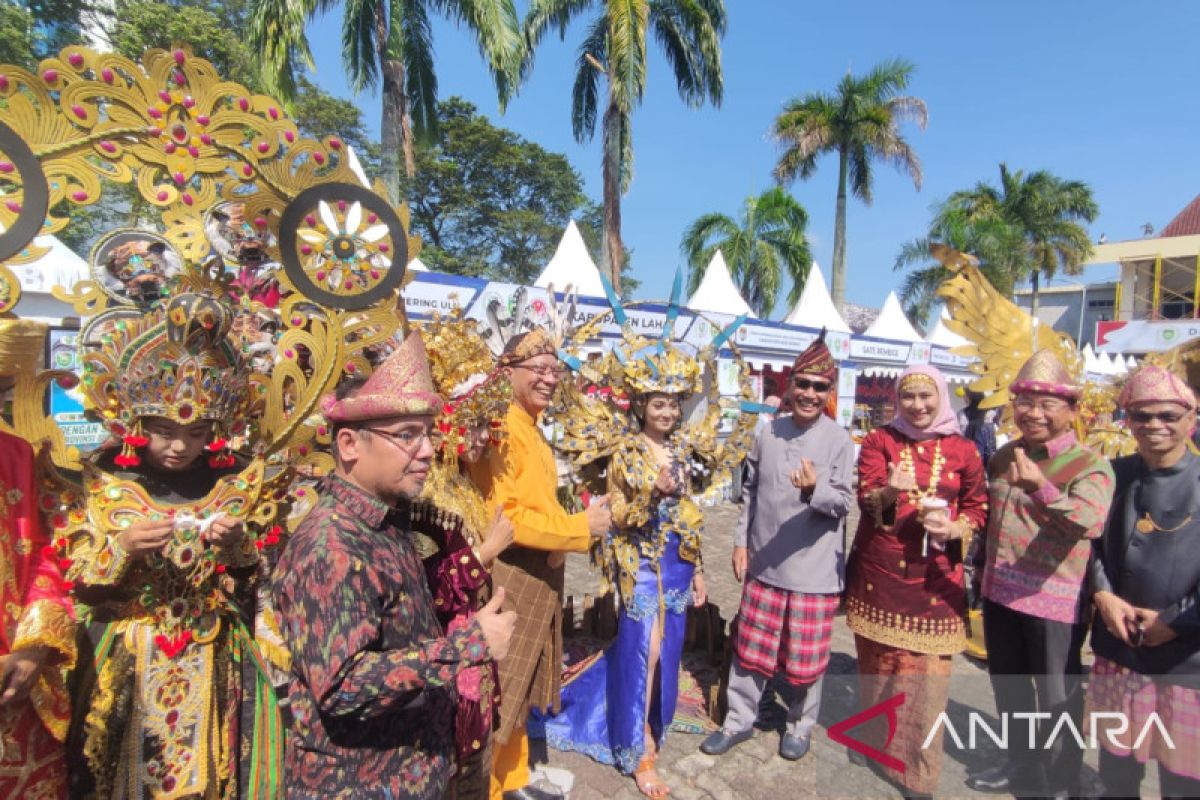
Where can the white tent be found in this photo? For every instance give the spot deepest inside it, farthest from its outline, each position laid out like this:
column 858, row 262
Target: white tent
column 943, row 336
column 815, row 307
column 58, row 267
column 572, row 265
column 717, row 292
column 892, row 323
column 417, row 265
column 1131, row 362
column 1090, row 362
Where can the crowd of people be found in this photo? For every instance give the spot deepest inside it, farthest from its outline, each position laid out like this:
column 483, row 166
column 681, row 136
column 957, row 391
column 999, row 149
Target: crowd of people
column 420, row 598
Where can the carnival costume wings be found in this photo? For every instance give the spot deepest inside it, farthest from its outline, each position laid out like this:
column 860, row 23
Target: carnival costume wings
column 602, row 436
column 1002, row 339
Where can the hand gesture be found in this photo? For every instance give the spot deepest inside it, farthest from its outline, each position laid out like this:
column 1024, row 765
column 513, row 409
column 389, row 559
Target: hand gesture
column 1023, row 473
column 741, row 561
column 497, row 625
column 899, row 480
column 699, row 590
column 146, row 536
column 805, row 478
column 940, row 528
column 224, row 531
column 497, row 539
column 18, row 671
column 1154, row 630
column 555, row 559
column 599, row 516
column 1118, row 616
column 666, row 484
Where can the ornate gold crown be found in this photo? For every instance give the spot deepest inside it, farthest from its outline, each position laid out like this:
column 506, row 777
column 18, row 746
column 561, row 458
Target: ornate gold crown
column 464, row 373
column 178, row 361
column 661, row 369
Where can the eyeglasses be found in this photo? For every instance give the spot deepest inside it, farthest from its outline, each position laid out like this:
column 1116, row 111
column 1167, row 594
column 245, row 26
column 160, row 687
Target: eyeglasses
column 543, row 371
column 1146, row 417
column 1045, row 406
column 407, row 440
column 816, row 386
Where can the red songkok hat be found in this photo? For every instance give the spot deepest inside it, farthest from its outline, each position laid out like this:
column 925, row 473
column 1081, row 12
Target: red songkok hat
column 816, row 360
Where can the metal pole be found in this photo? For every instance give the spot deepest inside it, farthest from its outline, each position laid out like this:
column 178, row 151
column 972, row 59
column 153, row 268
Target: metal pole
column 1082, row 313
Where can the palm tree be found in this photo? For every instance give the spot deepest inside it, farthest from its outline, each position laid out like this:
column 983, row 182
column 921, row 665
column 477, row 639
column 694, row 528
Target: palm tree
column 689, row 32
column 1043, row 212
column 860, row 123
column 765, row 243
column 392, row 38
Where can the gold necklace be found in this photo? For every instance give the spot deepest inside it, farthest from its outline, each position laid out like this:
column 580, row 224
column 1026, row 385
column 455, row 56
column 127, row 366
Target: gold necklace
column 935, row 472
column 1147, row 524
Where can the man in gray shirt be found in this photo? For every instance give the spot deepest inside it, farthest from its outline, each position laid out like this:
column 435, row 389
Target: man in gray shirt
column 788, row 547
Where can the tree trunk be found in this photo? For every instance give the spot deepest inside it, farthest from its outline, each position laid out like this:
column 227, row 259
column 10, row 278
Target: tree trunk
column 838, row 277
column 395, row 129
column 1033, row 304
column 612, row 250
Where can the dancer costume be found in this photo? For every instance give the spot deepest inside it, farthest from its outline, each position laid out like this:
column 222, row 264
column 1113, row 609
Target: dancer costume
column 653, row 551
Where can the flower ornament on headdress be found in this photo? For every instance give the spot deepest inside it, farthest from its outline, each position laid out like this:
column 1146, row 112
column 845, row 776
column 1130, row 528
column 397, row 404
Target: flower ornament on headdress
column 179, row 362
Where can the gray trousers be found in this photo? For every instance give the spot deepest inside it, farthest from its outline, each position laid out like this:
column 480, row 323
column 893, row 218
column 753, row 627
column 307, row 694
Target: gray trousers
column 745, row 692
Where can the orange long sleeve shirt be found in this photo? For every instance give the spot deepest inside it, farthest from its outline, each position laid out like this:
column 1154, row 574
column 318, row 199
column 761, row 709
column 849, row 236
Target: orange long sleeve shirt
column 520, row 478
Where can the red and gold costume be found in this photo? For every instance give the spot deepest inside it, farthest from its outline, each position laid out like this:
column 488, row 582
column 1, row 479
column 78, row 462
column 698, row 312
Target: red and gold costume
column 905, row 599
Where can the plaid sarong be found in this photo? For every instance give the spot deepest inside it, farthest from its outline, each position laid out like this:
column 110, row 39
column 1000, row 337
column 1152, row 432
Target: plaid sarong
column 778, row 630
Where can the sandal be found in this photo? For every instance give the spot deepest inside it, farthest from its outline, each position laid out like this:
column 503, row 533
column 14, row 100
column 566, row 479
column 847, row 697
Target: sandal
column 647, row 780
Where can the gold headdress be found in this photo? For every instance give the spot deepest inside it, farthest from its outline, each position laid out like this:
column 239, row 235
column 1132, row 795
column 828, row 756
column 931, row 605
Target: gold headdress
column 464, row 372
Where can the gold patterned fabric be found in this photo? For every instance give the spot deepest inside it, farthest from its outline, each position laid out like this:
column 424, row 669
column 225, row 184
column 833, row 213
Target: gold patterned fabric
column 401, row 386
column 1044, row 373
column 535, row 343
column 1153, row 384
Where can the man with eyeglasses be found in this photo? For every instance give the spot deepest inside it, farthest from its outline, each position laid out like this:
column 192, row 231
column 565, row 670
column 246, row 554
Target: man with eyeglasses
column 521, row 479
column 372, row 677
column 788, row 548
column 1049, row 498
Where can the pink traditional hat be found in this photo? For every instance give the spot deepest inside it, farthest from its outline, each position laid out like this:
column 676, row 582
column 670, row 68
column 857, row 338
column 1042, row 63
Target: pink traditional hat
column 1153, row 384
column 1043, row 373
column 401, row 386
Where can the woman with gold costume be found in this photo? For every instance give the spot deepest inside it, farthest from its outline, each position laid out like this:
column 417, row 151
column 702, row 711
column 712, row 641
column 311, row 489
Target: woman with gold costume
column 625, row 432
column 457, row 540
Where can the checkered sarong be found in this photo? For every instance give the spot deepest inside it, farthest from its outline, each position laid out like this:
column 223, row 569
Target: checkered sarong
column 778, row 630
column 1114, row 688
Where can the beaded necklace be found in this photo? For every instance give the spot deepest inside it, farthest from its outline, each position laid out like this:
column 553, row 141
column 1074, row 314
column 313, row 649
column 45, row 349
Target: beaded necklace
column 935, row 472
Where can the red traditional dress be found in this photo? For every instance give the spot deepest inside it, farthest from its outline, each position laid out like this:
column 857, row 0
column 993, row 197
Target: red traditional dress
column 905, row 599
column 36, row 613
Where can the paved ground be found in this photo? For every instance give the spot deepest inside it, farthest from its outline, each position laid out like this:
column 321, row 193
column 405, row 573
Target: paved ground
column 753, row 769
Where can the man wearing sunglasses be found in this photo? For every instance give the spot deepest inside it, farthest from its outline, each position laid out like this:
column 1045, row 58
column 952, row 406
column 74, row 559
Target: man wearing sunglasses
column 1049, row 496
column 788, row 548
column 373, row 676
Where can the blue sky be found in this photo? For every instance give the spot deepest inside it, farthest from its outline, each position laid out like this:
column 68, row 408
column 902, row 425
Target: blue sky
column 1104, row 92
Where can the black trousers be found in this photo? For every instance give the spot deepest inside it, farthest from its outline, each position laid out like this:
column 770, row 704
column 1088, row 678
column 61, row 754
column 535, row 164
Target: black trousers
column 1122, row 776
column 1035, row 666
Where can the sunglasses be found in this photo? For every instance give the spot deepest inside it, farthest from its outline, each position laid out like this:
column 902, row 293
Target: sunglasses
column 1146, row 417
column 816, row 386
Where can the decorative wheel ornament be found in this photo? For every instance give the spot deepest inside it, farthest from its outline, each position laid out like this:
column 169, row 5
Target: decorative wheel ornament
column 23, row 193
column 342, row 245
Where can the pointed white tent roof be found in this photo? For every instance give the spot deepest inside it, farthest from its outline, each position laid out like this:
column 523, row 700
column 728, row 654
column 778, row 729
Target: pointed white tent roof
column 572, row 265
column 1119, row 366
column 941, row 335
column 1090, row 362
column 717, row 292
column 892, row 323
column 815, row 307
column 1131, row 362
column 417, row 265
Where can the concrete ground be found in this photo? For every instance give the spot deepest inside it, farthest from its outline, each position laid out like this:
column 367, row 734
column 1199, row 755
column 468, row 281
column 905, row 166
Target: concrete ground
column 754, row 769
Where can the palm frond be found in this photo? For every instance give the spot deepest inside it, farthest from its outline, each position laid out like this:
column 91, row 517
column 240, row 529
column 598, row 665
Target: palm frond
column 497, row 33
column 360, row 55
column 412, row 28
column 277, row 32
column 584, row 101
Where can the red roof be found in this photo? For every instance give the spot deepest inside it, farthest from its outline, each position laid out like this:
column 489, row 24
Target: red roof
column 1186, row 222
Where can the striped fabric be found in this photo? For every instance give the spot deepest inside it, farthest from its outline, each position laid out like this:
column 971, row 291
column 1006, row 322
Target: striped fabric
column 778, row 630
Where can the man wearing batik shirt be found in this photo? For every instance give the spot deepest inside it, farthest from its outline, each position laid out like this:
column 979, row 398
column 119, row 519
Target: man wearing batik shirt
column 1049, row 497
column 788, row 546
column 372, row 680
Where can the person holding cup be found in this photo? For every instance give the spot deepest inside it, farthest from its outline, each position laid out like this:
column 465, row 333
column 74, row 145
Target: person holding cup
column 923, row 493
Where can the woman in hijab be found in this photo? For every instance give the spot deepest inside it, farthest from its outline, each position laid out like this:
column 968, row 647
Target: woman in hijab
column 923, row 492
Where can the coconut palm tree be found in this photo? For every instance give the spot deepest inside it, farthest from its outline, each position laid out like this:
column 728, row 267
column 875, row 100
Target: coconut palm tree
column 762, row 246
column 392, row 39
column 861, row 123
column 1044, row 210
column 615, row 50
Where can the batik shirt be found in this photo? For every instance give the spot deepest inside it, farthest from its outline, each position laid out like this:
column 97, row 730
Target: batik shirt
column 372, row 677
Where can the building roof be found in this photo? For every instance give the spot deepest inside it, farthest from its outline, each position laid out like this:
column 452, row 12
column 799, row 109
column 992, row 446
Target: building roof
column 1186, row 222
column 892, row 323
column 572, row 266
